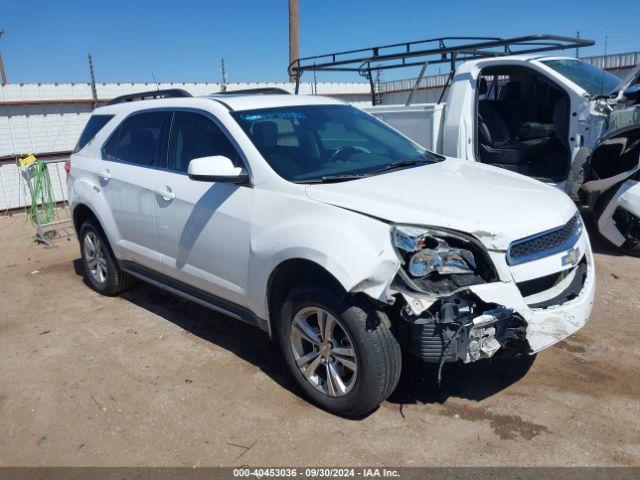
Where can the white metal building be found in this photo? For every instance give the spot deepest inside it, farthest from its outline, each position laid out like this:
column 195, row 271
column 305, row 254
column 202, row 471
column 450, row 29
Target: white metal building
column 46, row 119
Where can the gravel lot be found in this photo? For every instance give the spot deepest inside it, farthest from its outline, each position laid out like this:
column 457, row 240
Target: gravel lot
column 148, row 379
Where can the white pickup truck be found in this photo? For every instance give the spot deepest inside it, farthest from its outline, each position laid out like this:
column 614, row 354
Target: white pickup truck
column 553, row 118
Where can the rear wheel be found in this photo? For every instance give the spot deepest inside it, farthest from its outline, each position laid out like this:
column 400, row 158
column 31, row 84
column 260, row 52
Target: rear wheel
column 102, row 272
column 342, row 354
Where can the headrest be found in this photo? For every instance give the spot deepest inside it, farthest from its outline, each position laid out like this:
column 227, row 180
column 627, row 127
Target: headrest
column 512, row 90
column 265, row 133
column 144, row 137
column 482, row 87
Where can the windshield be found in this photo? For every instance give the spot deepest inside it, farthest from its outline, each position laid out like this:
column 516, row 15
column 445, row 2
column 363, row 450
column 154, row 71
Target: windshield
column 594, row 80
column 328, row 142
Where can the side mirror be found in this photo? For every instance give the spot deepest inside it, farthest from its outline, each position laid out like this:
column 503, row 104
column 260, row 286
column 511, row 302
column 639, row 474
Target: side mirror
column 632, row 94
column 216, row 169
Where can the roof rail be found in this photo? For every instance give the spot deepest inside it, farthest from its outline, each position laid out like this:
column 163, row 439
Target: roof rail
column 427, row 52
column 134, row 97
column 256, row 91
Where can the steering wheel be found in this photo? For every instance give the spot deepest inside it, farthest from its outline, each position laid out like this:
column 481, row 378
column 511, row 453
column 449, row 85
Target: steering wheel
column 346, row 151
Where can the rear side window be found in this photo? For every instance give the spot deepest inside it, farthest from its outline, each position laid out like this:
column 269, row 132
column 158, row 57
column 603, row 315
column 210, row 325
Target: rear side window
column 193, row 136
column 140, row 140
column 93, row 126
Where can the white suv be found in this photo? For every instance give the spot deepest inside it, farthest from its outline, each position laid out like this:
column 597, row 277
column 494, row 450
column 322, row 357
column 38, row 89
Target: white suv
column 341, row 238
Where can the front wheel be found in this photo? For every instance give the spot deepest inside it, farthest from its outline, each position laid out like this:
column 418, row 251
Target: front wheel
column 342, row 354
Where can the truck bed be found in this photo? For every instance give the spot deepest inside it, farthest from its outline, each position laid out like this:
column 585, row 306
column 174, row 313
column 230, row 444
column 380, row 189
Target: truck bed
column 421, row 122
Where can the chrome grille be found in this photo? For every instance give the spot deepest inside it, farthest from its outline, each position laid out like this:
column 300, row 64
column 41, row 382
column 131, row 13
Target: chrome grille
column 545, row 243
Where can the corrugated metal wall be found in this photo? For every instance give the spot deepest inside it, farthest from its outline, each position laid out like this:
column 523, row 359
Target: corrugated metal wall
column 27, row 125
column 48, row 118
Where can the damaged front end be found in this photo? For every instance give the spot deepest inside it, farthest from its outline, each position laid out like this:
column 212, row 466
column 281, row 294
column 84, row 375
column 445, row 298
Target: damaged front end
column 463, row 328
column 612, row 188
column 440, row 318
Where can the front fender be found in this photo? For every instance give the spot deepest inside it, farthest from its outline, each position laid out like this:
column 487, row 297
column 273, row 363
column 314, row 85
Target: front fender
column 354, row 248
column 627, row 197
column 615, row 159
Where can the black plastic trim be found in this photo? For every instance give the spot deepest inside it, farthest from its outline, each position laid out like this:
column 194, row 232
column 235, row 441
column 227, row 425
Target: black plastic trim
column 194, row 294
column 152, row 94
column 571, row 292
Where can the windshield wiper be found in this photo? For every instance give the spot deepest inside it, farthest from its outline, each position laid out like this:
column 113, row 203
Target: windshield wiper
column 402, row 164
column 334, row 178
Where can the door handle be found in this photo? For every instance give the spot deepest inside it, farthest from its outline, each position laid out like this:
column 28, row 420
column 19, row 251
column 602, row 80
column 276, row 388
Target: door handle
column 106, row 175
column 166, row 193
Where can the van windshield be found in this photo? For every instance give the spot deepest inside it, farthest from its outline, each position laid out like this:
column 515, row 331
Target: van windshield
column 323, row 143
column 592, row 79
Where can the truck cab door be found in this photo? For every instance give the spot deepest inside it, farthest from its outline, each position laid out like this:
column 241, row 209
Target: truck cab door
column 498, row 113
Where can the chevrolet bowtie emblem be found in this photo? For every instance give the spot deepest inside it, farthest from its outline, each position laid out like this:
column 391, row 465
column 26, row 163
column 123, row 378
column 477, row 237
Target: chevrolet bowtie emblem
column 572, row 257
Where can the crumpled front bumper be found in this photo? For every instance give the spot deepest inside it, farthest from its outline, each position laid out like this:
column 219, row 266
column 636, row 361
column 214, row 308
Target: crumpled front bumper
column 545, row 326
column 546, row 322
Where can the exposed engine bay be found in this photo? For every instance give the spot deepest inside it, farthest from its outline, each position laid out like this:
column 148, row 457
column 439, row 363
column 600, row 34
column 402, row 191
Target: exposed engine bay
column 443, row 315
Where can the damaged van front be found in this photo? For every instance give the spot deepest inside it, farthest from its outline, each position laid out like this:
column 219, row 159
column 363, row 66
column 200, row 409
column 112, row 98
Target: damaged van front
column 611, row 172
column 490, row 263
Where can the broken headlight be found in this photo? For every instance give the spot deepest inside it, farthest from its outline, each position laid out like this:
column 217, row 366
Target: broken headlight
column 426, row 253
column 440, row 261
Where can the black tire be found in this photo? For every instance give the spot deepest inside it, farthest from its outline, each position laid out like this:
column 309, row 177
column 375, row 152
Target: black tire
column 116, row 280
column 377, row 351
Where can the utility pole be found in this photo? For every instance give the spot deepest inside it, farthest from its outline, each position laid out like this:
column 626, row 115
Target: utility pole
column 578, row 49
column 294, row 39
column 3, row 74
column 94, row 92
column 224, row 75
column 378, row 87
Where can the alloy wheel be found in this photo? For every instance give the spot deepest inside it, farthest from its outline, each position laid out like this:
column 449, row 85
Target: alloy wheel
column 323, row 351
column 94, row 257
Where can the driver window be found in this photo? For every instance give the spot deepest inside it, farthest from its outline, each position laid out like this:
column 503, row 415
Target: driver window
column 194, row 135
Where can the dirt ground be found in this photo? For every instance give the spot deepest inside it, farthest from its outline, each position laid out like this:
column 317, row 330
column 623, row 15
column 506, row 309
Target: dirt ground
column 148, row 379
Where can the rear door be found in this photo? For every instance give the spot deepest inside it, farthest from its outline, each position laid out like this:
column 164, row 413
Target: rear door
column 203, row 228
column 127, row 175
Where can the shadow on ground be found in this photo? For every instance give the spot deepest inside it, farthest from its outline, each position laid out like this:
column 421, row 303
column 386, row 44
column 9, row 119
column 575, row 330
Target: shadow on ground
column 418, row 383
column 474, row 381
column 245, row 341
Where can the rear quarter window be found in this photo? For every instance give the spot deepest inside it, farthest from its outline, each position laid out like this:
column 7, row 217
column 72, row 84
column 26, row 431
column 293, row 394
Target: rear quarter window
column 93, row 126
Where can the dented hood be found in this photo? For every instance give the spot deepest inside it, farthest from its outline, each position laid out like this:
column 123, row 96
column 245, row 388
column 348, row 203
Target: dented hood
column 494, row 205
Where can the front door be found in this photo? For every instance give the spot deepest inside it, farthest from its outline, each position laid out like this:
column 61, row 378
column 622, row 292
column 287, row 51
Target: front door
column 203, row 228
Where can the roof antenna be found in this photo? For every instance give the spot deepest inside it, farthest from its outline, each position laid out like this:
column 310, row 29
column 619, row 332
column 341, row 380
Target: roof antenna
column 603, row 66
column 155, row 81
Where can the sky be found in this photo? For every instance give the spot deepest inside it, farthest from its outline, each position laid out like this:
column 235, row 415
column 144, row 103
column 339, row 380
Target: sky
column 183, row 41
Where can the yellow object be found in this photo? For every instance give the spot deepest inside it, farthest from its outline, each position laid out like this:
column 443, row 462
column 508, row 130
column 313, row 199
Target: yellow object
column 26, row 161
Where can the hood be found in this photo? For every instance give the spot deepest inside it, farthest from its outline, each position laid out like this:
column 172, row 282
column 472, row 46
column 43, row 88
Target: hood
column 494, row 205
